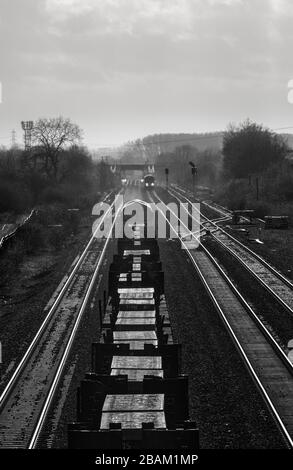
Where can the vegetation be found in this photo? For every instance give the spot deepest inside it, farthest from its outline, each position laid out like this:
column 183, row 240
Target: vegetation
column 256, row 171
column 207, row 162
column 247, row 166
column 250, row 149
column 252, row 170
column 50, row 138
column 57, row 170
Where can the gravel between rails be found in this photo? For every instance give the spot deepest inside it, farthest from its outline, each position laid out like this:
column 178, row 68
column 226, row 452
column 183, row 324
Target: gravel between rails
column 223, row 398
column 276, row 318
column 63, row 409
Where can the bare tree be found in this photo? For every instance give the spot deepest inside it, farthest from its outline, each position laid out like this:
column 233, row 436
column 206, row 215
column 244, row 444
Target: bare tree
column 52, row 136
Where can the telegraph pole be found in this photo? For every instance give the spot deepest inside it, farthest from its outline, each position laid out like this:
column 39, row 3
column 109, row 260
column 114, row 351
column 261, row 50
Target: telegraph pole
column 167, row 177
column 257, row 188
column 13, row 139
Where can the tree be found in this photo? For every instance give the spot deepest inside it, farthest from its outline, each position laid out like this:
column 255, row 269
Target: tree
column 185, row 153
column 52, row 136
column 9, row 162
column 250, row 148
column 104, row 175
column 76, row 164
column 178, row 163
column 209, row 163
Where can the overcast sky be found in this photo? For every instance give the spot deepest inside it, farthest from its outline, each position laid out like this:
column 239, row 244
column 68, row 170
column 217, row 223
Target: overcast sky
column 123, row 69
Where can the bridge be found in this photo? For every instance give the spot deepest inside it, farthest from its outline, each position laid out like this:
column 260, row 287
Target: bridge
column 122, row 167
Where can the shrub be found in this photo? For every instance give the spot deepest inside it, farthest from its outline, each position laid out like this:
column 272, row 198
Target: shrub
column 10, row 258
column 13, row 197
column 260, row 209
column 56, row 237
column 233, row 194
column 286, row 187
column 55, row 194
column 33, row 237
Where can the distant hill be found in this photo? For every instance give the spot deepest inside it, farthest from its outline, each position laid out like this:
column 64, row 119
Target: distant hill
column 150, row 146
column 162, row 143
column 107, row 153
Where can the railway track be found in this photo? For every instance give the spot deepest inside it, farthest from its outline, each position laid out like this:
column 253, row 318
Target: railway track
column 223, row 211
column 213, row 206
column 27, row 397
column 274, row 282
column 269, row 367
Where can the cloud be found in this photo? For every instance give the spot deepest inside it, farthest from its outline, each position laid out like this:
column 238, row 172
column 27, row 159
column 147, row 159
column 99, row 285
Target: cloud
column 138, row 59
column 122, row 16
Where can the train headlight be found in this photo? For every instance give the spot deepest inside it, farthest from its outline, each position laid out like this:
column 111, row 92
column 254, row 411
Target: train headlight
column 142, row 180
column 153, row 184
column 147, row 184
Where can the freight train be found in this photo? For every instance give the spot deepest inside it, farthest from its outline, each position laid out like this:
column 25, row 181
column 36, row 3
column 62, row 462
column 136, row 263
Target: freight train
column 135, row 396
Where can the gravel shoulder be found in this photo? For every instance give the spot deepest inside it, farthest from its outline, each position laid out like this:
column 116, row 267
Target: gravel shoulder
column 223, row 399
column 277, row 320
column 25, row 296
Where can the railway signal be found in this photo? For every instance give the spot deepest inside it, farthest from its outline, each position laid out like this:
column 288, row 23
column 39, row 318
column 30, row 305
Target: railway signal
column 194, row 174
column 167, row 177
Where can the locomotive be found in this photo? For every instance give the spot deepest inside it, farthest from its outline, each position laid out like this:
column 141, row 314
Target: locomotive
column 149, row 181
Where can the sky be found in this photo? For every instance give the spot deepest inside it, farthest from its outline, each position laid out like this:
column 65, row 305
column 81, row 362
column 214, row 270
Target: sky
column 123, row 69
